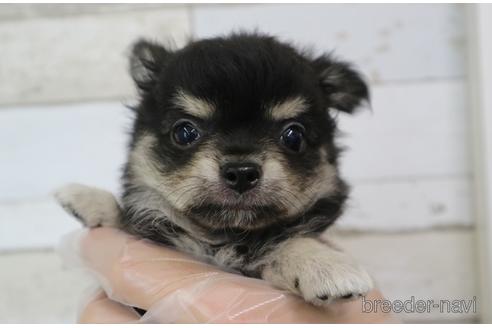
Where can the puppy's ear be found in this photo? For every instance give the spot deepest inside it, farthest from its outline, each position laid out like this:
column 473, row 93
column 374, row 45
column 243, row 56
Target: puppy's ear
column 343, row 87
column 147, row 59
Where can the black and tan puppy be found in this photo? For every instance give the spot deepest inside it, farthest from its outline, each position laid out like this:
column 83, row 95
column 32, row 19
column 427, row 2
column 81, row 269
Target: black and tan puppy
column 233, row 159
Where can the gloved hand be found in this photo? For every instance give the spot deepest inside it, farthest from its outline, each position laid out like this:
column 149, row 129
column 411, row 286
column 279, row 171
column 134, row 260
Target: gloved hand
column 175, row 288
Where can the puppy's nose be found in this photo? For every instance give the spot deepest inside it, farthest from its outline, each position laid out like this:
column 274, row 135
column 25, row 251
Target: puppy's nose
column 241, row 176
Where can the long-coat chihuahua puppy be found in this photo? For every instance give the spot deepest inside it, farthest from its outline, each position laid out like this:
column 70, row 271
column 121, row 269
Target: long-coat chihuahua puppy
column 233, row 159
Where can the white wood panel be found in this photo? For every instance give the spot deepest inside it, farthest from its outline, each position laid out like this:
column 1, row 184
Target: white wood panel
column 38, row 10
column 387, row 41
column 418, row 129
column 408, row 204
column 45, row 147
column 34, row 224
column 35, row 288
column 76, row 58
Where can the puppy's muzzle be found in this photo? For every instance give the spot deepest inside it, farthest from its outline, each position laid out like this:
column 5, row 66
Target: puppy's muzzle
column 241, row 177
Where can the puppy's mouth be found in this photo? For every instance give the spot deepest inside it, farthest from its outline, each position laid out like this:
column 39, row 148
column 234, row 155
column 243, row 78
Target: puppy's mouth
column 235, row 212
column 218, row 207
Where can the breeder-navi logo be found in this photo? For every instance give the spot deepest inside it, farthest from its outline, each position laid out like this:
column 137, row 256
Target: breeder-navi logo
column 419, row 306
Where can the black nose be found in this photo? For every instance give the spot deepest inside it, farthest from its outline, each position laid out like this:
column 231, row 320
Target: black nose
column 241, row 176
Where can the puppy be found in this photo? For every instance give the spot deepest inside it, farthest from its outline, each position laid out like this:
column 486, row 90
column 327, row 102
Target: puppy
column 233, row 159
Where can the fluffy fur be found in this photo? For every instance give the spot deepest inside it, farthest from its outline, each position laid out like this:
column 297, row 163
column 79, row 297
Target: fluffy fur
column 240, row 93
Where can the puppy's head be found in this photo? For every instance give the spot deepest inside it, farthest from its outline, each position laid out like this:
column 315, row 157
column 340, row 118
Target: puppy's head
column 237, row 132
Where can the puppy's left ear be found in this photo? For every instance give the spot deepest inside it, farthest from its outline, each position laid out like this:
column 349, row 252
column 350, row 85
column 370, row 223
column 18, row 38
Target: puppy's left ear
column 343, row 87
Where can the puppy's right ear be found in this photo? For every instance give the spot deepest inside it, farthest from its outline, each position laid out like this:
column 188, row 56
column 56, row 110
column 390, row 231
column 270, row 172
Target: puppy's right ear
column 147, row 59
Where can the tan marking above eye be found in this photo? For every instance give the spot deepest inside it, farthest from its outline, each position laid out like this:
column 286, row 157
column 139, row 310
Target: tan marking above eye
column 287, row 109
column 193, row 106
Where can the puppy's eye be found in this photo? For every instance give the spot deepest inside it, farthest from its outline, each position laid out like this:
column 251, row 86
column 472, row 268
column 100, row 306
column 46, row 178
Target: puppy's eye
column 185, row 133
column 293, row 138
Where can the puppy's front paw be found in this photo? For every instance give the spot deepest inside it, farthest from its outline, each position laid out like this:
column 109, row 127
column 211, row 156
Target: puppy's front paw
column 92, row 206
column 330, row 279
column 317, row 272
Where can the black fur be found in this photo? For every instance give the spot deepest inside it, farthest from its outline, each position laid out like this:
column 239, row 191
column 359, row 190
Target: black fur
column 240, row 74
